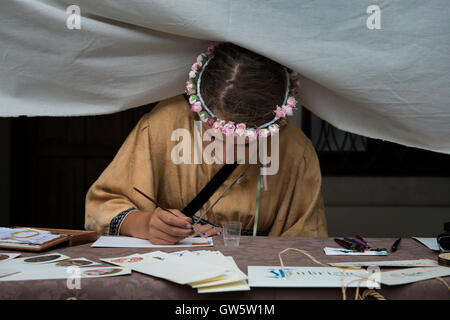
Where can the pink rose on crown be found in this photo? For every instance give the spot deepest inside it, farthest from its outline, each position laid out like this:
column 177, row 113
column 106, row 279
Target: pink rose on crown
column 240, row 129
column 196, row 66
column 218, row 125
column 211, row 122
column 280, row 113
column 197, row 106
column 192, row 74
column 291, row 102
column 190, row 87
column 200, row 59
column 228, row 129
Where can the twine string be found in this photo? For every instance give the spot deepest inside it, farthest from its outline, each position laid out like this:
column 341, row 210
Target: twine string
column 366, row 293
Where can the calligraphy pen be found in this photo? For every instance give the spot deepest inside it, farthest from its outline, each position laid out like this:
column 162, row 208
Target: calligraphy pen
column 395, row 245
column 159, row 205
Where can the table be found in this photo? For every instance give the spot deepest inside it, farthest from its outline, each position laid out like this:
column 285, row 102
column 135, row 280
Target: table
column 252, row 251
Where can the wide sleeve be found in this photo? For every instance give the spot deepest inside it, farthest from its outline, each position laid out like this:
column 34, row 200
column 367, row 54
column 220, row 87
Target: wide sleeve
column 306, row 216
column 112, row 194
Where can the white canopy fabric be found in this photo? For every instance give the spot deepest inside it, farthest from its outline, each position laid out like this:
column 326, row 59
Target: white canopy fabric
column 391, row 83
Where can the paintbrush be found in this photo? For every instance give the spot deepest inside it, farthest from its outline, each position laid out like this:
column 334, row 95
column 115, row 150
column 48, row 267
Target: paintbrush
column 159, row 205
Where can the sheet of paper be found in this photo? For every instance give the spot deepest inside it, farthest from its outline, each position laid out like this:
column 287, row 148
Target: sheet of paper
column 404, row 276
column 233, row 286
column 398, row 263
column 431, row 243
column 33, row 261
column 167, row 266
column 5, row 256
column 37, row 269
column 306, row 277
column 52, row 265
column 344, row 252
column 130, row 242
column 63, row 273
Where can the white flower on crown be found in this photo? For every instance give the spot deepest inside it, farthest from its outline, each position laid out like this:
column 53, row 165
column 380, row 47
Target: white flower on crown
column 251, row 134
column 200, row 59
column 264, row 133
column 240, row 129
column 193, row 99
column 274, row 128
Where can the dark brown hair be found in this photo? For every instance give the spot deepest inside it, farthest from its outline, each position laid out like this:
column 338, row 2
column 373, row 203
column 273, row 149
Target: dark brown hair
column 242, row 86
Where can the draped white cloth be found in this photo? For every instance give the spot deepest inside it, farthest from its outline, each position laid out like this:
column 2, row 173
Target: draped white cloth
column 391, row 83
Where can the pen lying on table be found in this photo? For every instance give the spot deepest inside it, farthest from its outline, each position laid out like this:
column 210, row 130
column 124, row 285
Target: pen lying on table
column 356, row 244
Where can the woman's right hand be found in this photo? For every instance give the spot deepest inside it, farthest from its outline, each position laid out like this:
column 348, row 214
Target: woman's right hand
column 159, row 226
column 166, row 228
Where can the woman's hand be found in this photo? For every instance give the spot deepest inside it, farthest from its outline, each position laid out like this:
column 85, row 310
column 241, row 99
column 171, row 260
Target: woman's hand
column 166, row 228
column 206, row 230
column 159, row 226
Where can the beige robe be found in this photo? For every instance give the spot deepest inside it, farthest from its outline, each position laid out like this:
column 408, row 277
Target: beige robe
column 292, row 205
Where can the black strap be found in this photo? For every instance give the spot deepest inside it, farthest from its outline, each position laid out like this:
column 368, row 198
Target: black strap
column 191, row 209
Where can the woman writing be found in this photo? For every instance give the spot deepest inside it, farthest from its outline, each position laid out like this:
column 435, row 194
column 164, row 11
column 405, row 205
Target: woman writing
column 232, row 92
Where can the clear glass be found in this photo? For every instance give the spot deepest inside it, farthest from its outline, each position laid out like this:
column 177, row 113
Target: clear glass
column 231, row 233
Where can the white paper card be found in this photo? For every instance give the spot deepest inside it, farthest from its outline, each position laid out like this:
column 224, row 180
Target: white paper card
column 306, row 277
column 228, row 287
column 130, row 242
column 5, row 256
column 344, row 252
column 64, row 273
column 431, row 243
column 404, row 276
column 170, row 267
column 398, row 263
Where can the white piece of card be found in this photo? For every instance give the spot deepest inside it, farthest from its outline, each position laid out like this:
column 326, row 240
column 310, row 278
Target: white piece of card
column 398, row 263
column 431, row 243
column 345, row 252
column 5, row 256
column 306, row 277
column 64, row 273
column 404, row 276
column 167, row 266
column 25, row 262
column 130, row 242
column 228, row 287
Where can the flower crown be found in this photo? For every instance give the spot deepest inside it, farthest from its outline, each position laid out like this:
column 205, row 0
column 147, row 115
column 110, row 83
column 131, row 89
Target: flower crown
column 229, row 128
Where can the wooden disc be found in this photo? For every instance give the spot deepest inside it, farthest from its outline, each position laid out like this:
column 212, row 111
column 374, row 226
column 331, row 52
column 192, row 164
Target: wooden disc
column 444, row 259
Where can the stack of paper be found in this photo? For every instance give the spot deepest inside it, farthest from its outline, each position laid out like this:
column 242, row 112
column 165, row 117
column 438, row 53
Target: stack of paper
column 207, row 271
column 52, row 266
